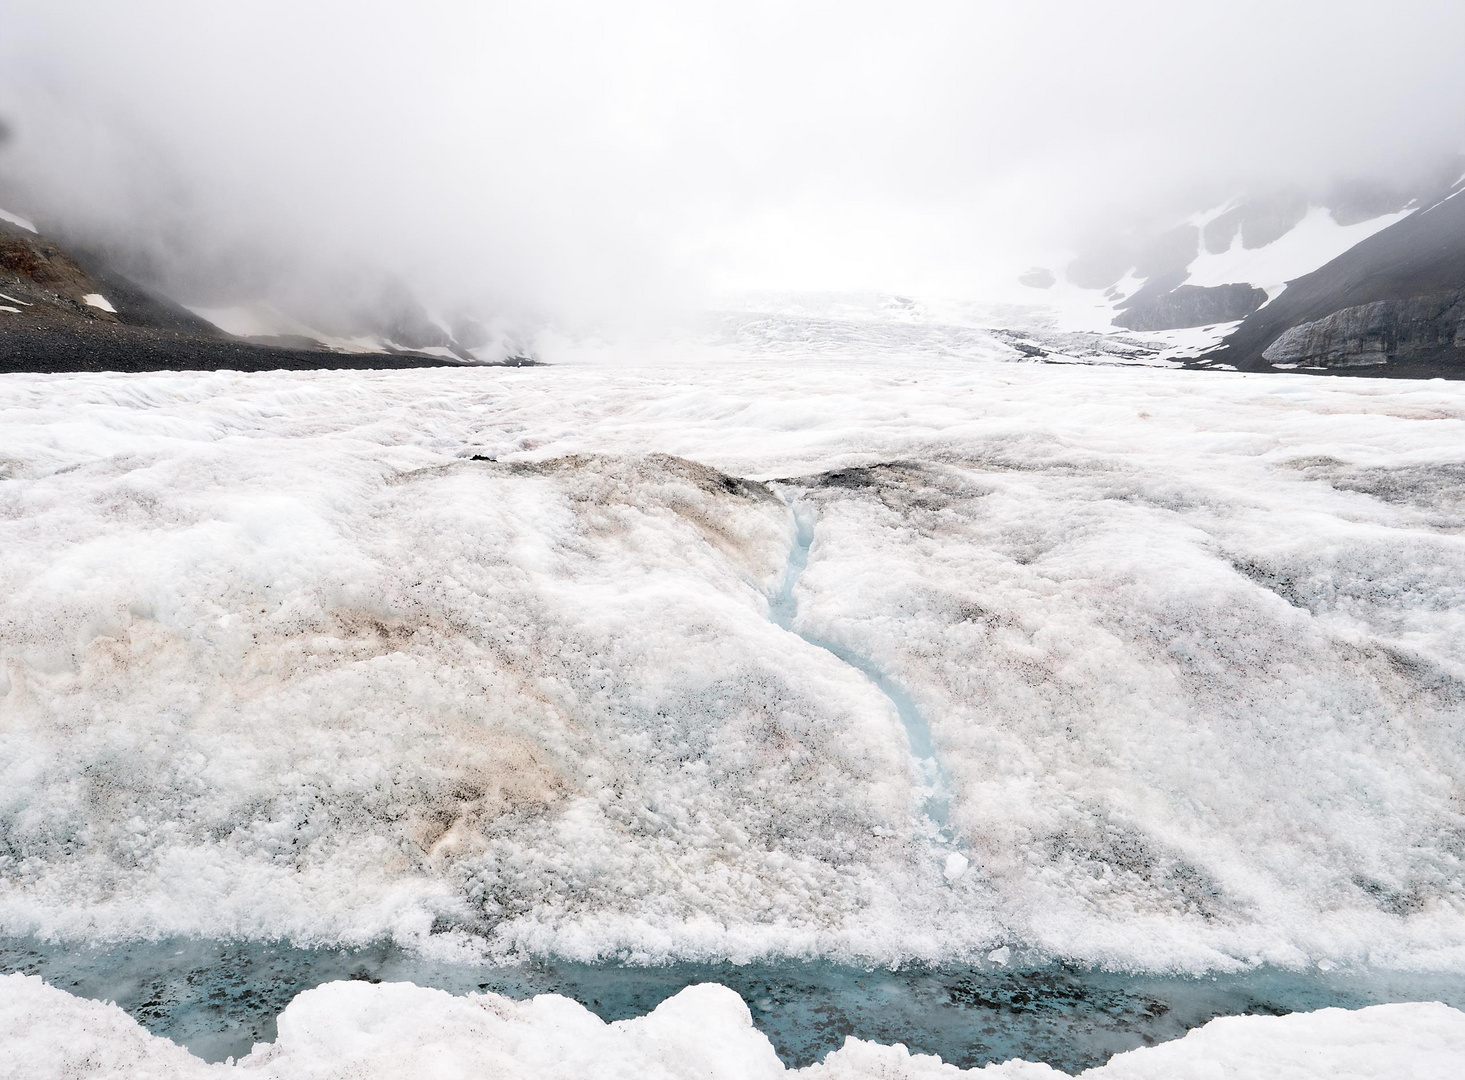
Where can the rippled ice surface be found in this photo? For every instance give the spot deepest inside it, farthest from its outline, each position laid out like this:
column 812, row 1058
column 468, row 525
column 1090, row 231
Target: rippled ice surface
column 219, row 998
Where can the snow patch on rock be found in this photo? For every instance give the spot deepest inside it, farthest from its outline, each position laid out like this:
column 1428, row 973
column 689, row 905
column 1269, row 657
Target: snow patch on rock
column 1315, row 240
column 16, row 219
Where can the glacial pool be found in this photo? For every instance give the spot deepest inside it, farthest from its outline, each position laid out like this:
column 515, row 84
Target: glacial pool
column 218, row 998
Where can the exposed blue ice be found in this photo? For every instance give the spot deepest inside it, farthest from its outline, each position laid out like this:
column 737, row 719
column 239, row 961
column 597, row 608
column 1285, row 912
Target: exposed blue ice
column 783, row 609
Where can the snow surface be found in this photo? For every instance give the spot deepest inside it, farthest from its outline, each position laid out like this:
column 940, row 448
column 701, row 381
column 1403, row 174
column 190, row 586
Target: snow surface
column 16, row 219
column 358, row 1030
column 281, row 661
column 97, row 300
column 903, row 329
column 1313, row 242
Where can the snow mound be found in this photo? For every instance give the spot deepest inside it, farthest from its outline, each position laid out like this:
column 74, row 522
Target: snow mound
column 363, row 1031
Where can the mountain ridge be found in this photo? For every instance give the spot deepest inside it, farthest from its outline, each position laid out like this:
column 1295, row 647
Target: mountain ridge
column 67, row 308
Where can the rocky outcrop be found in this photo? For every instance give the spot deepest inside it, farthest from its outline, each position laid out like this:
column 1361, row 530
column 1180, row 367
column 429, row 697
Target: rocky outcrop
column 1420, row 329
column 43, row 279
column 1039, row 277
column 1387, row 305
column 1192, row 305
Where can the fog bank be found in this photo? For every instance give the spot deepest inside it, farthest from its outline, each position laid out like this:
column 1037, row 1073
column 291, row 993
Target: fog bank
column 580, row 159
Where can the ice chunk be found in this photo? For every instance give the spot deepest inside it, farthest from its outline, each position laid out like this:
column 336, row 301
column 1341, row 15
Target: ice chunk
column 97, row 300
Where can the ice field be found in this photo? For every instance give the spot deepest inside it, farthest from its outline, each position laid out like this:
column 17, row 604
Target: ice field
column 957, row 662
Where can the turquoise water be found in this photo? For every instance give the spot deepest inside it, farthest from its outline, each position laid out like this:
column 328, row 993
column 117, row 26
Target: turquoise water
column 218, row 998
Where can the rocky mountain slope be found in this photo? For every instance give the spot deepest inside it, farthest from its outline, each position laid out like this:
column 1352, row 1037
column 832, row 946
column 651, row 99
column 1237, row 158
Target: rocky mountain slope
column 62, row 309
column 1395, row 301
column 1356, row 280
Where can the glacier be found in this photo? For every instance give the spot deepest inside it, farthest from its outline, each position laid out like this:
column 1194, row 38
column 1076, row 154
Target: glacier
column 498, row 664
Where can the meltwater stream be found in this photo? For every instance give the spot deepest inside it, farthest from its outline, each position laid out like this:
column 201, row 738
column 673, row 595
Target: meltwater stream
column 935, row 791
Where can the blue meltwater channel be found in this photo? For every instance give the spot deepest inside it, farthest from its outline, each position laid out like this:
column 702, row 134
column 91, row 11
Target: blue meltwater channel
column 784, row 610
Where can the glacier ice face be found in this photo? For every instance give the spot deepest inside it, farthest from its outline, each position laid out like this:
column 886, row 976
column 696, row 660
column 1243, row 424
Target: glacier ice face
column 283, row 660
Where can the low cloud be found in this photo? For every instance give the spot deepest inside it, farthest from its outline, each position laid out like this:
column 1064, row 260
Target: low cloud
column 579, row 159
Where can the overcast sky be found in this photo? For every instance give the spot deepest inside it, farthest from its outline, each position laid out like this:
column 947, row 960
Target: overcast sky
column 584, row 156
